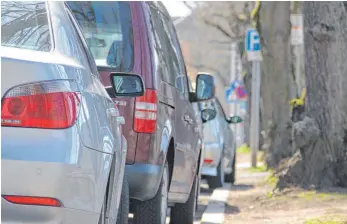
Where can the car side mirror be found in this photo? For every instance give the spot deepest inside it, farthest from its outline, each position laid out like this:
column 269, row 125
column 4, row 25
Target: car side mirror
column 235, row 120
column 127, row 84
column 204, row 87
column 207, row 115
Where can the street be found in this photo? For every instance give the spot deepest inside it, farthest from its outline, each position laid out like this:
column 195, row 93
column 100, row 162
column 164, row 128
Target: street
column 204, row 199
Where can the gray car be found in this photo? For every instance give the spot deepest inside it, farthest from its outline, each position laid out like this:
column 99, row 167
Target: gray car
column 219, row 145
column 63, row 152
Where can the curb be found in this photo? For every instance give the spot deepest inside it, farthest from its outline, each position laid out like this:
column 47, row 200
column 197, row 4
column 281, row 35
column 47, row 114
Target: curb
column 214, row 213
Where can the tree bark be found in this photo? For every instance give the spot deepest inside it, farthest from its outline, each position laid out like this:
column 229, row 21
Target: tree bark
column 321, row 138
column 277, row 80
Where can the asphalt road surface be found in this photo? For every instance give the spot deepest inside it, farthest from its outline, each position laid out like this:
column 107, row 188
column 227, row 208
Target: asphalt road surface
column 204, row 198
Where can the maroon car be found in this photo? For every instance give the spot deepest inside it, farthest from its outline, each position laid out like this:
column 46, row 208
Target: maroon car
column 164, row 142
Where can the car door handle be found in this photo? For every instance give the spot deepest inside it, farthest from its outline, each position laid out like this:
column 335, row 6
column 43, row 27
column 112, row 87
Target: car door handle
column 112, row 112
column 188, row 119
column 120, row 120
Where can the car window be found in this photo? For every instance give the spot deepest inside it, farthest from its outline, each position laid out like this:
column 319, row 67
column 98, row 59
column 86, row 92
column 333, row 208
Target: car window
column 182, row 67
column 25, row 25
column 163, row 67
column 179, row 69
column 220, row 109
column 107, row 28
column 83, row 44
column 171, row 72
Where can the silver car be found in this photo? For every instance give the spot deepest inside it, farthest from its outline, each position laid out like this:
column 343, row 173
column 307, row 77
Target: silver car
column 63, row 152
column 219, row 145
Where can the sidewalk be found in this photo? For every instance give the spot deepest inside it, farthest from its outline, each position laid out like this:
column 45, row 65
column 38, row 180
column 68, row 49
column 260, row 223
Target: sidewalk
column 252, row 201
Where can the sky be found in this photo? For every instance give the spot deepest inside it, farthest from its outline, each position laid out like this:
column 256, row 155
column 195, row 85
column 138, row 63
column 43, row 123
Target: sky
column 176, row 8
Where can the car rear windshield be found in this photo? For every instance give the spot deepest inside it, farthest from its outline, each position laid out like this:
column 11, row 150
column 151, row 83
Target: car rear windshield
column 25, row 25
column 107, row 27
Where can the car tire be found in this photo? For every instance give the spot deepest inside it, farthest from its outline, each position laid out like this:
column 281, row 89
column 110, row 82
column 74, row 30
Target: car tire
column 184, row 213
column 153, row 211
column 123, row 209
column 230, row 178
column 217, row 181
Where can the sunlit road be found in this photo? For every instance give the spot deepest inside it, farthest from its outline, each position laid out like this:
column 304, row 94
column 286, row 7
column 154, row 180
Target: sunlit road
column 205, row 195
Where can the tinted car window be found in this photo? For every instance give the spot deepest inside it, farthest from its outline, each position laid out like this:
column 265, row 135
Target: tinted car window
column 181, row 76
column 166, row 45
column 25, row 25
column 81, row 41
column 107, row 28
column 157, row 29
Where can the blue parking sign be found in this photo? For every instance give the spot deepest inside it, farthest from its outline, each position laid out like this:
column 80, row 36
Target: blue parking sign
column 252, row 45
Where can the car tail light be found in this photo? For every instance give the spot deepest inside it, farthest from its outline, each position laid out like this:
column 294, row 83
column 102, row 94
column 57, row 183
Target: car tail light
column 51, row 105
column 145, row 118
column 27, row 200
column 208, row 161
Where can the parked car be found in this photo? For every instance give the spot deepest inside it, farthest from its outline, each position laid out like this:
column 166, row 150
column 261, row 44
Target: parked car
column 163, row 145
column 63, row 152
column 219, row 144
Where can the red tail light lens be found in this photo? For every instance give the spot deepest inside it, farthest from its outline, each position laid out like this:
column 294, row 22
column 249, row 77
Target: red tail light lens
column 145, row 119
column 51, row 105
column 26, row 200
column 208, row 161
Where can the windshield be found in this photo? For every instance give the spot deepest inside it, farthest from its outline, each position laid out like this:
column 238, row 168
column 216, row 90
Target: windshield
column 25, row 25
column 107, row 27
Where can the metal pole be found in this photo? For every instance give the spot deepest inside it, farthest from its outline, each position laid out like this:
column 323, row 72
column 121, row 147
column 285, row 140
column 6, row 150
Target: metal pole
column 298, row 72
column 254, row 138
column 232, row 73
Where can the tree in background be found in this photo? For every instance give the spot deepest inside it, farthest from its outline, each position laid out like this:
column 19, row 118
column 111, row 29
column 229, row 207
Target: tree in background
column 278, row 85
column 277, row 82
column 229, row 19
column 321, row 137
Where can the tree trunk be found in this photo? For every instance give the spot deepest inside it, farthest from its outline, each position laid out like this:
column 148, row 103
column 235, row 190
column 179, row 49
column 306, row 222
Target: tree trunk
column 321, row 137
column 277, row 80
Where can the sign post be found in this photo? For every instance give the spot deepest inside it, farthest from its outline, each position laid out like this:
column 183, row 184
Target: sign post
column 297, row 39
column 252, row 45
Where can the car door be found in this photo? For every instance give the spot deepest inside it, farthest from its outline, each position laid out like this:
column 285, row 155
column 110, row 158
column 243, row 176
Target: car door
column 186, row 123
column 228, row 138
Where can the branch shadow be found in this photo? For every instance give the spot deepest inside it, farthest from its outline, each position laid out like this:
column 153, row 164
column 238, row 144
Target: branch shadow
column 241, row 187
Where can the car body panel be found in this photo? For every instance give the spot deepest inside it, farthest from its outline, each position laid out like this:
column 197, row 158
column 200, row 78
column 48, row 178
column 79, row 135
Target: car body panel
column 11, row 213
column 147, row 153
column 219, row 141
column 72, row 164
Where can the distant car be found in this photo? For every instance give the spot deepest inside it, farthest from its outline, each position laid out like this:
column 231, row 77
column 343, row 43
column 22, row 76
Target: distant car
column 219, row 145
column 164, row 145
column 62, row 150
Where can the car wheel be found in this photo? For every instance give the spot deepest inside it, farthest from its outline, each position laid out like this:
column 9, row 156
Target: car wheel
column 184, row 213
column 154, row 210
column 230, row 178
column 123, row 210
column 217, row 181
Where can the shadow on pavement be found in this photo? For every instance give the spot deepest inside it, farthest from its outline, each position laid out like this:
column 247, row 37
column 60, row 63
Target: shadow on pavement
column 241, row 187
column 231, row 210
column 206, row 190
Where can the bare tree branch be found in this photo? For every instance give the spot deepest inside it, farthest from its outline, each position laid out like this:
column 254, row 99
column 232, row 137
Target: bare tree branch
column 191, row 8
column 204, row 66
column 218, row 27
